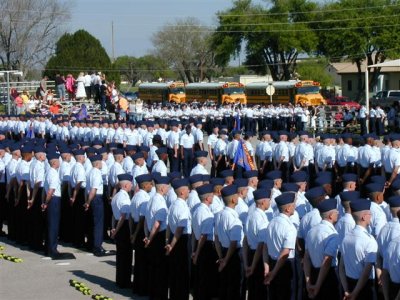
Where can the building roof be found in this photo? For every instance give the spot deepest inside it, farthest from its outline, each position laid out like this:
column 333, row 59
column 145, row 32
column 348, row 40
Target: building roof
column 351, row 68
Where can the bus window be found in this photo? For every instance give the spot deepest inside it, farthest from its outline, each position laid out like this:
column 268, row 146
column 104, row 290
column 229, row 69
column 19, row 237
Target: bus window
column 233, row 90
column 305, row 90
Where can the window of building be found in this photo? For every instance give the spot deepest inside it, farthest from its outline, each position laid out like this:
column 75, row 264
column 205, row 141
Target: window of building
column 349, row 85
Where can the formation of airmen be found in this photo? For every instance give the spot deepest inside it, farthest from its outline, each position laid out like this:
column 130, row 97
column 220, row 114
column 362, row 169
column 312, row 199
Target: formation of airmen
column 316, row 217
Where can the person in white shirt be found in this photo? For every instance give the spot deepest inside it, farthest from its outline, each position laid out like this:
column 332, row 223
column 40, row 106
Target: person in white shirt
column 52, row 203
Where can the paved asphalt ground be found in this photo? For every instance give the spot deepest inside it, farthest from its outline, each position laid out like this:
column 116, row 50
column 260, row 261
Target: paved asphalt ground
column 44, row 279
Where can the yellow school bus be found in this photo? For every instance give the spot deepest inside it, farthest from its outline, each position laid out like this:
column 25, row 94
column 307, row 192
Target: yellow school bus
column 305, row 93
column 218, row 92
column 162, row 92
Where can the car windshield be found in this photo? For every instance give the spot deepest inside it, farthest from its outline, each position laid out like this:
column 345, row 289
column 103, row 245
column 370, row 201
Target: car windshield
column 233, row 90
column 308, row 90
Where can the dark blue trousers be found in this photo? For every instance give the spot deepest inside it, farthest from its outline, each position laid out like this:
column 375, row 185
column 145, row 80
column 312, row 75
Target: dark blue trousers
column 53, row 224
column 98, row 222
column 187, row 161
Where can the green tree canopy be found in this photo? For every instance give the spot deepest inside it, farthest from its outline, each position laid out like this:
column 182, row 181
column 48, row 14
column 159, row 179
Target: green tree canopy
column 80, row 52
column 359, row 30
column 314, row 70
column 145, row 68
column 273, row 37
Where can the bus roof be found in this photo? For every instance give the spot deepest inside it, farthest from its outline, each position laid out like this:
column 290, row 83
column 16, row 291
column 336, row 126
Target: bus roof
column 159, row 85
column 276, row 84
column 209, row 85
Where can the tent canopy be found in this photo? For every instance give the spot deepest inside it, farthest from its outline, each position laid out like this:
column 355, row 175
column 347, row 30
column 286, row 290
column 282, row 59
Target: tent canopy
column 390, row 63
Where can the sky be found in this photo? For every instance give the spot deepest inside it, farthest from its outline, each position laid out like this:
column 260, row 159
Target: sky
column 135, row 21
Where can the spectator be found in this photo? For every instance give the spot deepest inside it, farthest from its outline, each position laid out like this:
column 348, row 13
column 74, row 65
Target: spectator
column 123, row 105
column 60, row 85
column 70, row 86
column 88, row 88
column 25, row 98
column 43, row 88
column 339, row 119
column 103, row 95
column 80, row 90
column 55, row 107
column 19, row 105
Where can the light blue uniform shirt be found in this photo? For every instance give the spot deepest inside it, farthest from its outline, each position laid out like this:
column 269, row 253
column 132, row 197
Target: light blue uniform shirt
column 229, row 228
column 256, row 227
column 309, row 221
column 358, row 248
column 242, row 209
column 378, row 219
column 391, row 260
column 120, row 204
column 78, row 175
column 345, row 225
column 203, row 222
column 281, row 234
column 139, row 204
column 52, row 181
column 156, row 211
column 322, row 240
column 388, row 233
column 179, row 216
column 193, row 200
column 94, row 180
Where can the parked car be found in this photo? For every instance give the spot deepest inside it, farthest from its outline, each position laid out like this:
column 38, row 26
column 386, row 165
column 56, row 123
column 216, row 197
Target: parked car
column 344, row 101
column 385, row 98
column 130, row 96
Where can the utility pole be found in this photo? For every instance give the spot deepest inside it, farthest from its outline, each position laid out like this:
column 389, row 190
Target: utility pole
column 112, row 41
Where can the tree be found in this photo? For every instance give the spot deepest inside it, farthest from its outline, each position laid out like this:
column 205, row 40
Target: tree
column 28, row 29
column 145, row 68
column 273, row 37
column 314, row 70
column 185, row 46
column 359, row 31
column 79, row 52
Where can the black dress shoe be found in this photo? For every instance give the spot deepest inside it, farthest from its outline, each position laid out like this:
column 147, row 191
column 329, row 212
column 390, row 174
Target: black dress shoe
column 103, row 252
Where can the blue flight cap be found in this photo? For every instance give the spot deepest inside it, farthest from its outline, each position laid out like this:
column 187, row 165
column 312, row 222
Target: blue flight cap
column 266, row 184
column 374, row 187
column 378, row 179
column 91, row 150
column 290, row 187
column 101, row 150
column 217, row 181
column 226, row 173
column 162, row 150
column 95, row 158
column 137, row 156
column 53, row 155
column 229, row 190
column 206, row 177
column 78, row 152
column 274, row 175
column 112, row 145
column 360, row 205
column 262, row 194
column 27, row 149
column 250, row 174
column 14, row 147
column 299, row 176
column 65, row 150
column 127, row 177
column 39, row 149
column 205, row 189
column 161, row 180
column 118, row 151
column 285, row 198
column 130, row 148
column 395, row 184
column 144, row 178
column 320, row 181
column 327, row 205
column 97, row 143
column 196, row 178
column 174, row 175
column 349, row 196
column 349, row 177
column 144, row 148
column 325, row 174
column 241, row 182
column 315, row 193
column 394, row 201
column 198, row 154
column 178, row 183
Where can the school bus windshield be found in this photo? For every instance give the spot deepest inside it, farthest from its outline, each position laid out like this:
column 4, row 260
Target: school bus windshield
column 305, row 90
column 177, row 90
column 233, row 90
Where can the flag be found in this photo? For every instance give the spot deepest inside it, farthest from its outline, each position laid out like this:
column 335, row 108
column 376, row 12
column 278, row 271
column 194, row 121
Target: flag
column 237, row 122
column 243, row 158
column 31, row 133
column 82, row 114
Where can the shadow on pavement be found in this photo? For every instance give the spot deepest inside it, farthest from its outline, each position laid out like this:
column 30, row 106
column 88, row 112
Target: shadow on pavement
column 103, row 282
